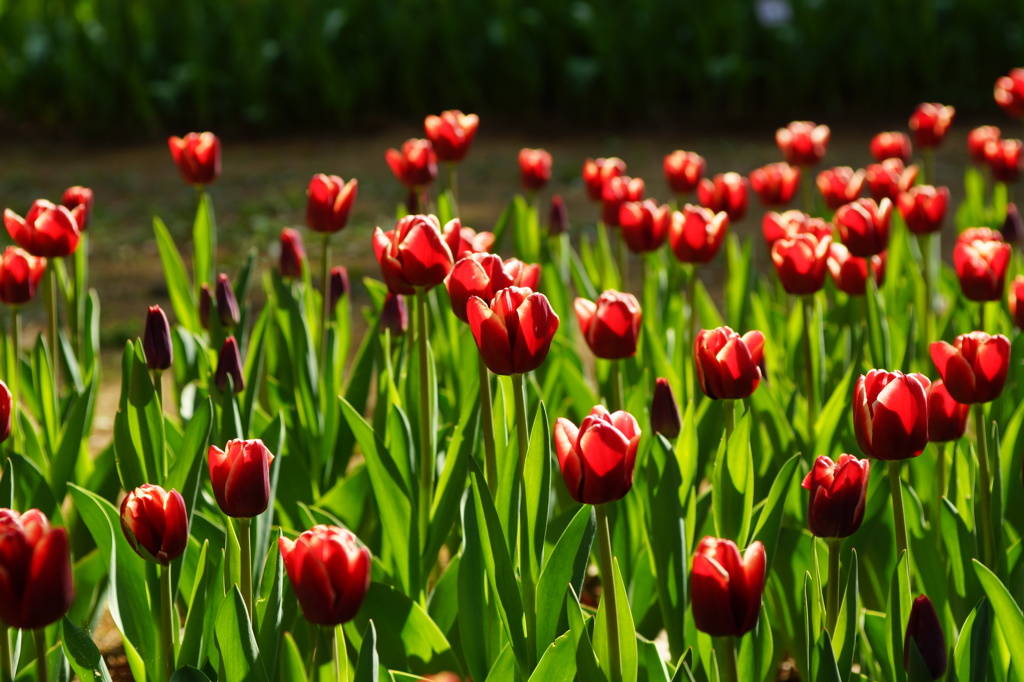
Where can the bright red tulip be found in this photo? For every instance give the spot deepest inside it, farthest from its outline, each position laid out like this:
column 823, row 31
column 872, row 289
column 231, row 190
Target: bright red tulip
column 329, row 202
column 840, row 185
column 923, row 208
column 197, row 156
column 947, row 419
column 558, row 216
column 1009, row 93
column 788, row 224
column 665, row 417
column 980, row 258
column 329, row 571
column 728, row 365
column 36, row 587
column 514, row 332
column 891, row 145
column 802, row 143
column 6, row 411
column 851, row 273
column 839, row 489
column 974, row 367
column 78, row 200
column 1004, row 159
column 415, row 166
column 977, row 139
column 725, row 192
column 864, row 226
column 293, row 254
column 1015, row 301
column 155, row 523
column 924, row 628
column 451, row 133
column 726, row 590
column 20, row 273
column 597, row 458
column 484, row 275
column 241, row 477
column 683, row 170
column 465, row 241
column 644, row 225
column 802, row 262
column 890, row 414
column 156, row 340
column 929, row 124
column 534, row 169
column 776, row 183
column 618, row 190
column 611, row 326
column 597, row 172
column 229, row 364
column 413, row 255
column 47, row 231
column 696, row 233
column 890, row 177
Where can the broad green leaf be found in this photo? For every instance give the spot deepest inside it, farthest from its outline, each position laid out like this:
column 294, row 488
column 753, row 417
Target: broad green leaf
column 368, row 664
column 625, row 627
column 204, row 243
column 189, row 674
column 473, row 623
column 291, row 668
column 1007, row 613
column 897, row 614
column 837, row 407
column 537, row 488
column 190, row 653
column 235, row 641
column 845, row 640
column 178, row 285
column 586, row 659
column 970, row 656
column 558, row 664
column 74, row 431
column 270, row 623
column 555, row 578
column 82, row 653
column 733, row 484
column 770, row 520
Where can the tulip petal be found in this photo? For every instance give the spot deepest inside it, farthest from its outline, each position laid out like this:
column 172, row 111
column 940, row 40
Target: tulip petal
column 49, row 590
column 709, row 596
column 491, row 336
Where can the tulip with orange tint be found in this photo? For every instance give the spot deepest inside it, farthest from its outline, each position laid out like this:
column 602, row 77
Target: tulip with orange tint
column 973, row 367
column 801, row 262
column 725, row 588
column 803, row 143
column 197, row 156
column 890, row 414
column 696, row 233
column 1009, row 93
column 596, row 172
column 415, row 166
column 610, row 325
column 484, row 275
column 891, row 145
column 414, row 255
column 683, row 170
column 46, row 231
column 977, row 139
column 850, row 273
column 890, row 177
column 513, row 331
column 923, row 208
column 451, row 134
column 617, row 191
column 644, row 225
column 20, row 274
column 838, row 491
column 980, row 257
column 929, row 124
column 1004, row 159
column 776, row 183
column 864, row 226
column 534, row 169
column 725, row 192
column 597, row 457
column 728, row 365
column 840, row 185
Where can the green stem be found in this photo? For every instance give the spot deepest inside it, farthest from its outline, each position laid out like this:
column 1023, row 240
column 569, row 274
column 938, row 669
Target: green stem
column 925, row 242
column 985, row 483
column 426, row 464
column 42, row 670
column 525, row 556
column 340, row 654
column 81, row 285
column 812, row 404
column 729, row 653
column 940, row 478
column 487, row 421
column 5, row 654
column 615, row 385
column 602, row 239
column 832, row 596
column 730, row 418
column 453, row 182
column 621, row 257
column 981, row 316
column 245, row 544
column 929, row 166
column 158, row 389
column 897, row 508
column 51, row 318
column 167, row 621
column 691, row 338
column 604, row 540
column 325, row 293
column 15, row 372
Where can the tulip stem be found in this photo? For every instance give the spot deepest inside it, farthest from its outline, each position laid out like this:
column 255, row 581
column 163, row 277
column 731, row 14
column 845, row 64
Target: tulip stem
column 896, row 487
column 615, row 385
column 453, row 183
column 525, row 560
column 42, row 670
column 340, row 653
column 167, row 621
column 812, row 405
column 925, row 242
column 729, row 653
column 51, row 318
column 984, row 482
column 832, row 595
column 426, row 446
column 691, row 303
column 487, row 418
column 608, row 592
column 245, row 544
column 5, row 654
column 730, row 418
column 622, row 257
column 15, row 371
column 325, row 293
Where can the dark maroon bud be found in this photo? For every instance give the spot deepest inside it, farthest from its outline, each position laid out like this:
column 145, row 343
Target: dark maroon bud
column 394, row 318
column 665, row 411
column 293, row 254
column 1013, row 226
column 926, row 631
column 229, row 364
column 205, row 304
column 558, row 216
column 339, row 284
column 227, row 306
column 156, row 341
column 6, row 411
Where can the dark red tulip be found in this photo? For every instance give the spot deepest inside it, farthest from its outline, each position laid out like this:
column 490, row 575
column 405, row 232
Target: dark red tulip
column 788, row 224
column 451, row 134
column 923, row 208
column 851, row 273
column 558, row 216
column 465, row 241
column 1004, row 159
column 1009, row 93
column 416, row 165
column 977, row 139
column 514, row 332
column 728, row 365
column 1012, row 228
column 197, row 156
column 395, row 317
column 329, row 202
column 156, row 340
column 78, row 200
column 484, row 275
column 36, row 587
column 229, row 364
column 20, row 273
column 980, row 258
column 726, row 590
column 886, row 180
column 644, row 225
column 835, row 507
column 802, row 262
column 725, row 192
column 155, row 522
column 891, row 145
column 840, row 185
column 339, row 284
column 241, row 477
column 974, row 367
column 665, row 417
column 6, row 411
column 611, row 325
column 947, row 419
column 864, row 226
column 597, row 458
column 293, row 254
column 929, row 124
column 47, row 231
column 227, row 305
column 618, row 190
column 329, row 571
column 776, row 183
column 413, row 255
column 696, row 233
column 596, row 172
column 205, row 305
column 534, row 169
column 1015, row 301
column 890, row 414
column 803, row 143
column 683, row 170
column 925, row 630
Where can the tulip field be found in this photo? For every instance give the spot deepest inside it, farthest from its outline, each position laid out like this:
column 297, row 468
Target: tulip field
column 629, row 446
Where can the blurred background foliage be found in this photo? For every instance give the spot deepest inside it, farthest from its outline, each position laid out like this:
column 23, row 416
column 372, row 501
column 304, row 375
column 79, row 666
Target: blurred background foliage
column 136, row 68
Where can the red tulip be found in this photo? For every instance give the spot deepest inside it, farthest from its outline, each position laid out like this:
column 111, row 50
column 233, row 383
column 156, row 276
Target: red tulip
column 728, row 365
column 451, row 133
column 890, row 177
column 197, row 156
column 597, row 172
column 696, row 233
column 227, row 305
column 465, row 241
column 891, row 145
column 618, row 190
column 514, row 332
column 976, row 140
column 1015, row 301
column 802, row 143
column 864, row 226
column 725, row 192
column 644, row 225
column 726, row 590
column 947, row 419
column 974, row 368
column 980, row 257
column 929, row 124
column 20, row 273
column 416, row 165
column 241, row 477
column 802, row 262
column 156, row 340
column 597, row 458
column 1009, row 93
column 840, row 185
column 611, row 326
column 1012, row 228
column 558, row 216
column 788, row 224
column 394, row 317
column 339, row 285
column 890, row 414
column 1004, row 159
column 484, row 275
column 36, row 587
column 923, row 208
column 293, row 254
column 329, row 571
column 683, row 170
column 776, row 183
column 839, row 489
column 329, row 202
column 413, row 255
column 924, row 628
column 6, row 411
column 665, row 417
column 851, row 273
column 534, row 169
column 47, row 231
column 155, row 522
column 229, row 364
column 78, row 200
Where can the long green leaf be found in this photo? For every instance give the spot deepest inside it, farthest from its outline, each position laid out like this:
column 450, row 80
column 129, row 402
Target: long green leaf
column 733, row 485
column 82, row 653
column 368, row 664
column 1008, row 615
column 178, row 285
column 556, row 576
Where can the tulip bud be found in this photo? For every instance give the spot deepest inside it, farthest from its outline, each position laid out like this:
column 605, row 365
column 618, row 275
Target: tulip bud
column 329, row 201
column 1009, row 93
column 890, row 414
column 726, row 590
column 36, row 585
column 534, row 169
column 20, row 273
column 977, row 139
column 851, row 273
column 1013, row 227
column 974, row 367
column 229, row 364
column 803, row 143
column 329, row 571
column 665, row 417
column 980, row 258
column 644, row 225
column 155, row 523
column 839, row 489
column 197, row 156
column 776, row 183
column 156, row 340
column 451, row 133
column 802, row 262
column 611, row 325
column 514, row 332
column 788, row 224
column 888, row 179
column 597, row 458
column 205, row 305
column 725, row 192
column 46, row 231
column 558, row 216
column 891, row 145
column 6, row 411
column 696, row 233
column 413, row 255
column 923, row 208
column 1015, row 301
column 597, row 173
column 78, row 200
column 840, row 185
column 339, row 285
column 929, row 124
column 293, row 254
column 227, row 306
column 1004, row 159
column 864, row 226
column 241, row 477
column 394, row 317
column 947, row 419
column 728, row 365
column 925, row 630
column 683, row 170
column 416, row 165
column 465, row 241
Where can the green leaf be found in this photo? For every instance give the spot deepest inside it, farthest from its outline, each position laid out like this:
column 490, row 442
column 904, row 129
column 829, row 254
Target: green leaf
column 897, row 614
column 178, row 285
column 1007, row 613
column 292, row 668
column 191, row 649
column 235, row 641
column 835, row 410
column 189, row 674
column 74, row 431
column 666, row 539
column 558, row 664
column 970, row 657
column 272, row 611
column 625, row 627
column 82, row 653
column 368, row 665
column 474, row 623
column 845, row 640
column 733, row 484
column 575, row 540
column 770, row 520
column 586, row 659
column 537, row 485
column 204, row 243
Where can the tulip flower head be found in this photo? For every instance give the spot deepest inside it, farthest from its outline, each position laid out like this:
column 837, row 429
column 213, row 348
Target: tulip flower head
column 451, row 134
column 329, row 202
column 241, row 477
column 890, row 414
column 46, row 231
column 683, row 170
column 725, row 192
column 1009, row 93
column 644, row 225
column 414, row 255
column 923, row 208
column 229, row 364
column 977, row 139
column 6, row 411
column 696, row 233
column 980, row 257
column 888, row 179
column 776, row 183
column 891, row 145
column 78, row 200
column 974, row 367
column 725, row 588
column 616, row 191
column 36, row 585
column 197, row 156
column 155, row 523
column 415, row 166
column 484, row 275
column 20, row 273
column 947, row 419
column 534, row 169
column 597, row 457
column 840, row 185
column 156, row 340
column 665, row 417
column 329, row 570
column 788, row 224
column 596, row 172
column 864, row 226
column 465, row 241
column 1012, row 228
column 558, row 216
column 924, row 632
column 339, row 285
column 838, row 490
column 394, row 317
column 1015, row 301
column 293, row 254
column 851, row 273
column 929, row 124
column 227, row 304
column 802, row 262
column 611, row 325
column 803, row 143
column 513, row 333
column 1004, row 159
column 728, row 365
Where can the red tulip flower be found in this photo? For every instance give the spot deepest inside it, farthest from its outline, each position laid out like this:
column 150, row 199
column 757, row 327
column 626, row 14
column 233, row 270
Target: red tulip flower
column 864, row 226
column 644, row 225
column 611, row 326
column 1004, row 159
column 599, row 171
column 665, row 417
column 156, row 340
column 725, row 192
column 293, row 254
column 241, row 477
column 977, row 139
column 851, row 273
column 728, row 365
column 329, row 202
column 394, row 317
column 802, row 262
column 465, row 241
column 413, row 255
column 229, row 364
column 597, row 458
column 534, row 169
column 980, row 257
column 618, row 190
column 974, row 367
column 788, row 224
column 683, row 170
column 484, row 275
column 924, row 628
column 839, row 489
column 20, row 273
column 1015, row 301
column 36, row 587
column 227, row 304
column 776, row 183
column 840, row 185
column 338, row 285
column 890, row 177
column 329, row 571
column 923, row 208
column 6, row 411
column 155, row 523
column 929, row 124
column 514, row 332
column 891, row 145
column 890, row 414
column 47, row 231
column 1009, row 93
column 78, row 200
column 197, row 156
column 725, row 589
column 415, row 166
column 696, row 233
column 451, row 133
column 802, row 143
column 947, row 419
column 558, row 216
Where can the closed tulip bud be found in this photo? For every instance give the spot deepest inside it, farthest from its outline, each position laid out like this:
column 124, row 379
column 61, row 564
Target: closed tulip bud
column 293, row 254
column 36, row 585
column 725, row 589
column 227, row 306
column 929, row 124
column 891, row 145
column 888, row 179
column 683, row 170
column 665, row 417
column 339, row 285
column 484, row 275
column 451, row 134
column 597, row 457
column 851, row 273
column 465, row 241
column 156, row 340
column 329, row 201
column 776, row 183
column 415, row 165
column 513, row 333
column 890, row 414
column 46, row 231
column 947, row 419
column 974, row 367
column 229, row 364
column 6, row 411
column 803, row 143
column 644, row 225
column 1009, row 93
column 925, row 630
column 155, row 523
column 802, row 262
column 980, row 257
column 838, row 489
column 864, row 226
column 241, row 477
column 977, row 139
column 1013, row 227
column 329, row 571
column 394, row 317
column 786, row 225
column 413, row 255
column 20, row 273
column 728, row 365
column 923, row 208
column 534, row 169
column 597, row 172
column 558, row 216
column 78, row 200
column 725, row 192
column 840, row 185
column 205, row 305
column 617, row 191
column 611, row 326
column 1015, row 301
column 197, row 156
column 696, row 233
column 1004, row 159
